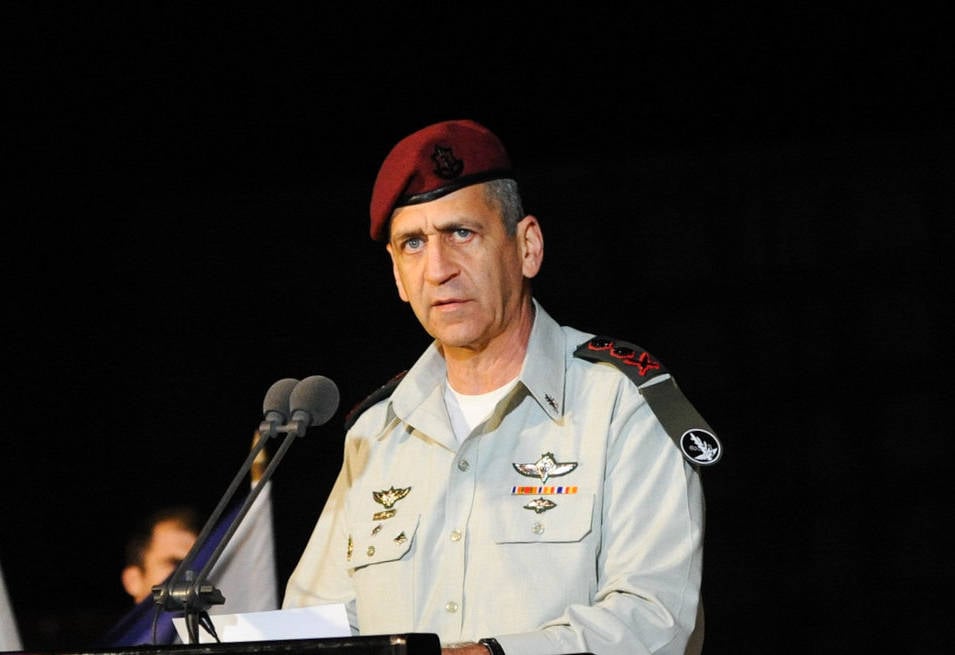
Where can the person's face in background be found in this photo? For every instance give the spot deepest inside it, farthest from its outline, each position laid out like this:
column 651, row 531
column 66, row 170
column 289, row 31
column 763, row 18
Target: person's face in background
column 169, row 546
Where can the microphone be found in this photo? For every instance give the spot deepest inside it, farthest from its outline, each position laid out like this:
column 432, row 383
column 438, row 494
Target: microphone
column 313, row 401
column 275, row 407
column 291, row 407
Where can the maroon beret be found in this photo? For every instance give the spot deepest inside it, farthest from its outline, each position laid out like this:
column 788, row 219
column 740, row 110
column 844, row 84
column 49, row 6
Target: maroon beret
column 433, row 162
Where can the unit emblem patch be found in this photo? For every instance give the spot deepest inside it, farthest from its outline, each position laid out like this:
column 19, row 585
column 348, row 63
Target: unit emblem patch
column 701, row 446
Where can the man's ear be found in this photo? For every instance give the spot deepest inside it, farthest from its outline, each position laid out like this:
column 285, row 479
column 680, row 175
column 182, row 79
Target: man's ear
column 394, row 271
column 133, row 581
column 531, row 241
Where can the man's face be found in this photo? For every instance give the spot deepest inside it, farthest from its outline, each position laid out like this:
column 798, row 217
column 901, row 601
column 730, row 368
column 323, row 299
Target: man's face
column 457, row 267
column 169, row 546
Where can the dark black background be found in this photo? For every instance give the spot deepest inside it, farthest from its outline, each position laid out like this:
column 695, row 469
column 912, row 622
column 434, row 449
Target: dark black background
column 762, row 199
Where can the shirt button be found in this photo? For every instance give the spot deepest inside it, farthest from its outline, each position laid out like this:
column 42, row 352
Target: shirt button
column 370, row 551
column 537, row 528
column 451, row 607
column 455, row 535
column 463, row 465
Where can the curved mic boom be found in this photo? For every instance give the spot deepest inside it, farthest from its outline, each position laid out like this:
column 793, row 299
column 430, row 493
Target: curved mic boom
column 303, row 404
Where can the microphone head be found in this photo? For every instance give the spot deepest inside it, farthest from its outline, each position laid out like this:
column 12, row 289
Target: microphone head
column 277, row 398
column 316, row 395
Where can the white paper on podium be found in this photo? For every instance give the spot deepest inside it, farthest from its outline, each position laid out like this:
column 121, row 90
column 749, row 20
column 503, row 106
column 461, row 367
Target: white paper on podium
column 298, row 623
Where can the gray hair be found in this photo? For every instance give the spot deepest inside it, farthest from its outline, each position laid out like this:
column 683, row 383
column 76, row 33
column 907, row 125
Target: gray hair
column 505, row 194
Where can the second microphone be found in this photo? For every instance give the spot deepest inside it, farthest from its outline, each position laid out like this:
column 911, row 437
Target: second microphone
column 292, row 406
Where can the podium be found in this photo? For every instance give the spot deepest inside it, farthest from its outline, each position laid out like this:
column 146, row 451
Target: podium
column 397, row 644
column 411, row 643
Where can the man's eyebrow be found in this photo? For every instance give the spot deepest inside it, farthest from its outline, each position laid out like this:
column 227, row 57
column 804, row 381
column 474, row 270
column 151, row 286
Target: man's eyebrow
column 403, row 235
column 453, row 224
column 448, row 226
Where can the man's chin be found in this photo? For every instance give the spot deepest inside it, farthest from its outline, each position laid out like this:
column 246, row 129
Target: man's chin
column 455, row 336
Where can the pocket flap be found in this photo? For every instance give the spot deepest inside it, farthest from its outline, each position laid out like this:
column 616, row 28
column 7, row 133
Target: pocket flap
column 543, row 518
column 380, row 541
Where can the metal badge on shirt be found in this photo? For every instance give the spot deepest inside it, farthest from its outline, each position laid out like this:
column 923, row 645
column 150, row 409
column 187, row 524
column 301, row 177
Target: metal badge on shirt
column 387, row 499
column 544, row 468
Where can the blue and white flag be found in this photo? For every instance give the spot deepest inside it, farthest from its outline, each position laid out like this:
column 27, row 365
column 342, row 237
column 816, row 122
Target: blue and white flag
column 245, row 572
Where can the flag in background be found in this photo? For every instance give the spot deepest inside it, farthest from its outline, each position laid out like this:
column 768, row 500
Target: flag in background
column 245, row 572
column 9, row 633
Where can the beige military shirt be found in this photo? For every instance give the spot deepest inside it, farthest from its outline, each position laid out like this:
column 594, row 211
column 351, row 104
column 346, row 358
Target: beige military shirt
column 567, row 522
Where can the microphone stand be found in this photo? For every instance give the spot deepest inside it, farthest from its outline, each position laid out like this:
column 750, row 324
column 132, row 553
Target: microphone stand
column 186, row 591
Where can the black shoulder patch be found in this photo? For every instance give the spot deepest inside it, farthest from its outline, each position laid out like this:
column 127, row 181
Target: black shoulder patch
column 634, row 361
column 378, row 394
column 688, row 430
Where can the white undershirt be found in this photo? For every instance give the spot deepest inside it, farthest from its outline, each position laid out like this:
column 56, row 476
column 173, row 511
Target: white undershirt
column 468, row 410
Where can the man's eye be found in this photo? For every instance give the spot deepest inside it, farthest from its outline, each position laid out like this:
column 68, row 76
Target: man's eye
column 462, row 233
column 413, row 243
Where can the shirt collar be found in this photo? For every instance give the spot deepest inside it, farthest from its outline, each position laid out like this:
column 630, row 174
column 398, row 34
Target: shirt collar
column 542, row 374
column 544, row 368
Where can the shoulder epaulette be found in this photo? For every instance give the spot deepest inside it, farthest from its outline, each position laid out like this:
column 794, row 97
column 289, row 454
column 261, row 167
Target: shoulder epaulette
column 636, row 363
column 375, row 396
column 688, row 430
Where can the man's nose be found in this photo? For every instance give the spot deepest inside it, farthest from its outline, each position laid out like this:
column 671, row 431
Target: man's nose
column 440, row 265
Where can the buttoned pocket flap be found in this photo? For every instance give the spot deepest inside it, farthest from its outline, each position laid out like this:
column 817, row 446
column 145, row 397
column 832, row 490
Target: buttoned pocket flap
column 543, row 518
column 374, row 542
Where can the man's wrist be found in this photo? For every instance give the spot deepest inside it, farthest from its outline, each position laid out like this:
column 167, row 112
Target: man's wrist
column 492, row 646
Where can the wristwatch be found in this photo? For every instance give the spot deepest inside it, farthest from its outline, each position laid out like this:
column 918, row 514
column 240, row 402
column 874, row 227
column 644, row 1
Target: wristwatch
column 492, row 646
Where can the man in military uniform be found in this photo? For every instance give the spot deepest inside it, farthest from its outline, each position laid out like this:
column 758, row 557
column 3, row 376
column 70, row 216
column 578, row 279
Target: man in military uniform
column 525, row 487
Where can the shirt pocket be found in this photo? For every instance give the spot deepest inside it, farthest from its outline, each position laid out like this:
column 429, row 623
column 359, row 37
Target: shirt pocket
column 376, row 542
column 542, row 518
column 381, row 564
